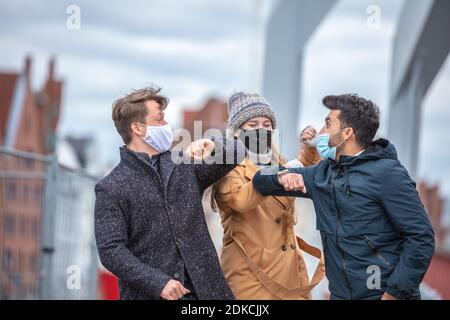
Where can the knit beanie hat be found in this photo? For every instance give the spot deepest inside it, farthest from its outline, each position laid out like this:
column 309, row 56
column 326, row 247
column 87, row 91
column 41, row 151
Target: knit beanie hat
column 243, row 106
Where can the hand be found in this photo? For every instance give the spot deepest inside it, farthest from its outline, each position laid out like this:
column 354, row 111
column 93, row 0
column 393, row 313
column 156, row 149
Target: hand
column 292, row 182
column 387, row 296
column 308, row 154
column 200, row 149
column 173, row 290
column 308, row 134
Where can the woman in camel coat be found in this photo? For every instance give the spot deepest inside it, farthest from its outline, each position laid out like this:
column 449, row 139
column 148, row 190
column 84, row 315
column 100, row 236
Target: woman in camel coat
column 261, row 256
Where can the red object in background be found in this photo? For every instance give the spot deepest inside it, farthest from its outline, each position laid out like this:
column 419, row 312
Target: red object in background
column 108, row 286
column 438, row 276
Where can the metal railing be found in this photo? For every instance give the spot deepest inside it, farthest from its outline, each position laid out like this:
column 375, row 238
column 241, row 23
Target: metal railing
column 47, row 244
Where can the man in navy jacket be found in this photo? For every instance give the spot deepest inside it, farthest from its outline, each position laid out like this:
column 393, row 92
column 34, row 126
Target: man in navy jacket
column 378, row 241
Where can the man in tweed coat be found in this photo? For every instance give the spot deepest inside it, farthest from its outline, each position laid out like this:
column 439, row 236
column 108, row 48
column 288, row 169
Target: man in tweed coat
column 149, row 221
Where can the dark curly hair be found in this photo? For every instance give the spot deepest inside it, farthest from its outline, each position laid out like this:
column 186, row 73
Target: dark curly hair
column 358, row 113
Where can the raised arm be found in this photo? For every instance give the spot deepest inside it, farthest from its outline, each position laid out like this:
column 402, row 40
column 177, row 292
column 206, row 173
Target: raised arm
column 222, row 155
column 279, row 181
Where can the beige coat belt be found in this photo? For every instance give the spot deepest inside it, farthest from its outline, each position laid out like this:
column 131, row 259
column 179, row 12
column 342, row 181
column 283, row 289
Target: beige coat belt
column 276, row 288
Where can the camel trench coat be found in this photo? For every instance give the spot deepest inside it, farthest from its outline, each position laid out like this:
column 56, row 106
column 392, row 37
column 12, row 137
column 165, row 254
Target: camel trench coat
column 261, row 256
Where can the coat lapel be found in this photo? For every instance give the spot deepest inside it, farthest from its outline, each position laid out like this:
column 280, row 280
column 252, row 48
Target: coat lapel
column 166, row 165
column 250, row 169
column 133, row 160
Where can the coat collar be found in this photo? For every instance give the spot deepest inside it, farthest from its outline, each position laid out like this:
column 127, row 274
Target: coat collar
column 250, row 168
column 165, row 163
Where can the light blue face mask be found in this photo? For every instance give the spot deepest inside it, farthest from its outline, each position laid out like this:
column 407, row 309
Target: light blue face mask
column 323, row 147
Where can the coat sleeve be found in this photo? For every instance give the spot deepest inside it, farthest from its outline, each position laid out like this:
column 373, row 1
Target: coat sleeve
column 227, row 155
column 309, row 156
column 266, row 182
column 402, row 203
column 237, row 194
column 111, row 236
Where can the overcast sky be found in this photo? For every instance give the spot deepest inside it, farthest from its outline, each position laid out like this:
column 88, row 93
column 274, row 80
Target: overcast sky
column 195, row 49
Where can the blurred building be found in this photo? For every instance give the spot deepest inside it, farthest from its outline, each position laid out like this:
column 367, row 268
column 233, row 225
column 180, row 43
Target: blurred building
column 434, row 204
column 437, row 207
column 213, row 115
column 28, row 118
column 28, row 121
column 80, row 146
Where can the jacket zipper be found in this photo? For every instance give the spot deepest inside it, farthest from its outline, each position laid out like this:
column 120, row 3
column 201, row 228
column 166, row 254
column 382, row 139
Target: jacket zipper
column 377, row 253
column 333, row 179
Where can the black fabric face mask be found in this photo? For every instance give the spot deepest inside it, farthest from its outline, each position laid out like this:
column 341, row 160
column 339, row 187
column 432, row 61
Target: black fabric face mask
column 257, row 141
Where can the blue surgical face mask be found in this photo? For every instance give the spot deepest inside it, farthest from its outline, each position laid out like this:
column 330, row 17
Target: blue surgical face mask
column 322, row 143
